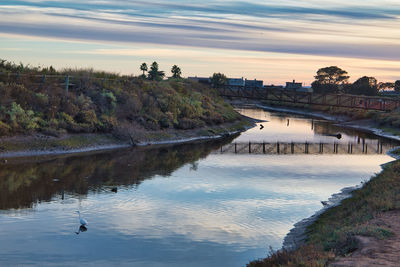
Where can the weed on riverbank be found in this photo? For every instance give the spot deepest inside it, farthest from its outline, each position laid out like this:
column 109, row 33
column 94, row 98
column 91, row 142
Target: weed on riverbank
column 334, row 232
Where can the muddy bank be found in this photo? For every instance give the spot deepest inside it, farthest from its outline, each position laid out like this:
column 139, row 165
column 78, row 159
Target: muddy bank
column 42, row 145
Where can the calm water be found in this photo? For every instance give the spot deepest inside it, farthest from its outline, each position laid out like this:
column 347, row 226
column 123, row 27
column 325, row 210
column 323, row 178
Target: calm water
column 174, row 206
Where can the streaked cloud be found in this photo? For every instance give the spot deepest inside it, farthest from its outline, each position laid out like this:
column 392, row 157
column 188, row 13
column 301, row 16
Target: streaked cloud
column 368, row 30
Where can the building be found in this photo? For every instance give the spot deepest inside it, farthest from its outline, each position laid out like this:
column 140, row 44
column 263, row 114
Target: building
column 254, row 83
column 293, row 85
column 298, row 87
column 273, row 87
column 235, row 82
column 202, row 80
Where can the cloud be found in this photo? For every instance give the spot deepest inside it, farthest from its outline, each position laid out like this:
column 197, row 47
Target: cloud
column 276, row 26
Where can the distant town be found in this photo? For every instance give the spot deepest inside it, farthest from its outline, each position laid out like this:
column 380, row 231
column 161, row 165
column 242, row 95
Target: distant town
column 242, row 82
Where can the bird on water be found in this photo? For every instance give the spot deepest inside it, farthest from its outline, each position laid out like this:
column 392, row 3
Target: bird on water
column 82, row 220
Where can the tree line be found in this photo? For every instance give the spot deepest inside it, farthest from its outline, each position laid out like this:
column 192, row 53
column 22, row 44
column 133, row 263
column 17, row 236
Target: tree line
column 154, row 74
column 336, row 80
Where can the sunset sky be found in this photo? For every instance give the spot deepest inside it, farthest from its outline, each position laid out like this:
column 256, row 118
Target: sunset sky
column 276, row 41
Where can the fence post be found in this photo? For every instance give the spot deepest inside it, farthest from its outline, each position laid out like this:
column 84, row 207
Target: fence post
column 249, row 147
column 66, row 86
column 277, row 148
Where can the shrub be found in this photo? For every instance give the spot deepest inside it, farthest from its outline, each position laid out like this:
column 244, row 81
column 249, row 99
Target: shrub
column 21, row 118
column 108, row 123
column 164, row 122
column 185, row 124
column 4, row 128
column 87, row 117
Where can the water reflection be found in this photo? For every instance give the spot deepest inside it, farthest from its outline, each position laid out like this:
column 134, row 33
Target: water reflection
column 81, row 229
column 281, row 127
column 168, row 206
column 25, row 183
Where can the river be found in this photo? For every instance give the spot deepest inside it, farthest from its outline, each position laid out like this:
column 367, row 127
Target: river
column 183, row 205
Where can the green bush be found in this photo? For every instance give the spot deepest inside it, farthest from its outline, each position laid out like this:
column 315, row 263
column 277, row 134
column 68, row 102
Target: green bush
column 21, row 118
column 86, row 117
column 4, row 129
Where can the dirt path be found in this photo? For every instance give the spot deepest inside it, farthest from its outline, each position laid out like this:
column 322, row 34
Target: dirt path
column 374, row 252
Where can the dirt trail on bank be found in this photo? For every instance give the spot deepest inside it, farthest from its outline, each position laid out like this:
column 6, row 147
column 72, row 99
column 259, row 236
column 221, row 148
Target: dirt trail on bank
column 374, row 252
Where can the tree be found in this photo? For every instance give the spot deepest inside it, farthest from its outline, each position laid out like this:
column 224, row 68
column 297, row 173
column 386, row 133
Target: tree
column 143, row 68
column 397, row 86
column 385, row 86
column 364, row 86
column 218, row 79
column 154, row 73
column 330, row 79
column 176, row 72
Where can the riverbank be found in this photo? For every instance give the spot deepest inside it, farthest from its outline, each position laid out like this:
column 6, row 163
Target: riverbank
column 340, row 119
column 364, row 230
column 358, row 225
column 41, row 145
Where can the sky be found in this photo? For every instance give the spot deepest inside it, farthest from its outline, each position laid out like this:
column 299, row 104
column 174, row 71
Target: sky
column 276, row 41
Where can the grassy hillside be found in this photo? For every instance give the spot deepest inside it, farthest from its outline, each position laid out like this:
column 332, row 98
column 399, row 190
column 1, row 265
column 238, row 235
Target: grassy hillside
column 37, row 100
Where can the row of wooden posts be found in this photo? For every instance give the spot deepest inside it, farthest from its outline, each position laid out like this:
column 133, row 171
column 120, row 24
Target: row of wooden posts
column 379, row 148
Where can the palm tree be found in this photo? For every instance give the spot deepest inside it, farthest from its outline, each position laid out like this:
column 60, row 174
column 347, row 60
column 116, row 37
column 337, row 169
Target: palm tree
column 176, row 72
column 154, row 73
column 143, row 68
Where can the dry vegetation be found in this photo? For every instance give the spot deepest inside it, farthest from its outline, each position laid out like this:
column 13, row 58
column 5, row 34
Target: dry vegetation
column 36, row 100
